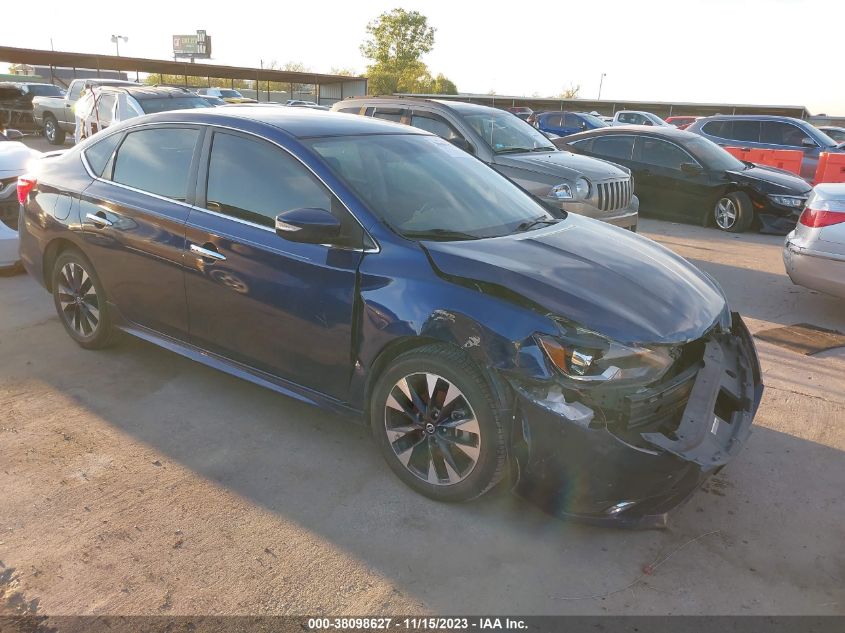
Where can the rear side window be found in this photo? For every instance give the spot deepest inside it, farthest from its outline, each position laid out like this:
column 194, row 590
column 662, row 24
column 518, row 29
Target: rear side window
column 75, row 89
column 721, row 129
column 746, row 131
column 552, row 120
column 350, row 110
column 621, row 147
column 157, row 160
column 105, row 106
column 99, row 155
column 254, row 181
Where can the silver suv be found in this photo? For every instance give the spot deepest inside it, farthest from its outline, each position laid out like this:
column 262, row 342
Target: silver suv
column 512, row 147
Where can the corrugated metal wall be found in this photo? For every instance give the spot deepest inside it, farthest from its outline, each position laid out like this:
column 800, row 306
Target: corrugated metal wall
column 330, row 93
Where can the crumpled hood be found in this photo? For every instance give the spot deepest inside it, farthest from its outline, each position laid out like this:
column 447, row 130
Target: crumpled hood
column 15, row 156
column 773, row 180
column 603, row 278
column 562, row 163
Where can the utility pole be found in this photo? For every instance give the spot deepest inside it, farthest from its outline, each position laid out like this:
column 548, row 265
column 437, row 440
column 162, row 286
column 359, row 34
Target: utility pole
column 601, row 81
column 116, row 40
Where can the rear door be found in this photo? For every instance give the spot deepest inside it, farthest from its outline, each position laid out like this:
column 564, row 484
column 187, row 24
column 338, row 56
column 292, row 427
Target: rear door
column 258, row 299
column 134, row 218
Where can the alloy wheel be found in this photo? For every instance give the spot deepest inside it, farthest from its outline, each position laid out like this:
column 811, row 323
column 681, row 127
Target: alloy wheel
column 80, row 305
column 432, row 429
column 725, row 213
column 50, row 130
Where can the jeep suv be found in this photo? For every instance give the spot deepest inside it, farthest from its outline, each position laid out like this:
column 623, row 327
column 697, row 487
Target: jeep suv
column 579, row 184
column 768, row 132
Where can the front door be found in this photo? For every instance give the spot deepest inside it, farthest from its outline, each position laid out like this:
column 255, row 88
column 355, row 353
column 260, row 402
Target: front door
column 253, row 297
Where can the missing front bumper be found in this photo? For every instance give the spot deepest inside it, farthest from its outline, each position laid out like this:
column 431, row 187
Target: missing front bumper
column 579, row 467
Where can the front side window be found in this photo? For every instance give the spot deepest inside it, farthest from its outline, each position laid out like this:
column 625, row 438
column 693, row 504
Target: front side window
column 744, row 130
column 75, row 90
column 157, row 160
column 424, row 187
column 388, row 114
column 571, row 120
column 782, row 133
column 505, row 133
column 434, row 124
column 230, row 94
column 350, row 110
column 255, row 181
column 612, row 146
column 653, row 151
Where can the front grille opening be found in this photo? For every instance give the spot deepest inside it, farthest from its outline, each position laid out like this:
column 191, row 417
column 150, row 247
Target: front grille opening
column 726, row 406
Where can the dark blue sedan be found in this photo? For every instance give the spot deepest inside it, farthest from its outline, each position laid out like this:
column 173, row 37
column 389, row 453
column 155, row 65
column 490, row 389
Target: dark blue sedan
column 378, row 271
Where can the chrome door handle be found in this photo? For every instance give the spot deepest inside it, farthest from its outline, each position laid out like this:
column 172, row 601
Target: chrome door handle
column 206, row 253
column 98, row 219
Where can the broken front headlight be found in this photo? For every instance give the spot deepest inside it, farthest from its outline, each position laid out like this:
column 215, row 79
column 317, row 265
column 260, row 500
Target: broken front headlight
column 595, row 360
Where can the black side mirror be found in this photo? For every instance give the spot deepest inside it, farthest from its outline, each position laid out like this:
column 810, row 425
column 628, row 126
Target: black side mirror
column 308, row 226
column 808, row 142
column 691, row 169
column 462, row 143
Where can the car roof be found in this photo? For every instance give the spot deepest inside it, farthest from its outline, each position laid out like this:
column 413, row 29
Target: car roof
column 150, row 92
column 458, row 106
column 752, row 117
column 670, row 133
column 297, row 122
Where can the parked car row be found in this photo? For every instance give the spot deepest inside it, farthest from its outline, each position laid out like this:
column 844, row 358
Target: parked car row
column 396, row 276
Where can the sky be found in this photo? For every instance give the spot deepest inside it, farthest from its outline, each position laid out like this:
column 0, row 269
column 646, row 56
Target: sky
column 776, row 52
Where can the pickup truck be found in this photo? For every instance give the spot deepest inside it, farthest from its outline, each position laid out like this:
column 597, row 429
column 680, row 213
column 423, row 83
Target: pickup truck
column 54, row 115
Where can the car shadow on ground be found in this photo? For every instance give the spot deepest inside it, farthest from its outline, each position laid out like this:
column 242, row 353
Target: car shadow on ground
column 768, row 528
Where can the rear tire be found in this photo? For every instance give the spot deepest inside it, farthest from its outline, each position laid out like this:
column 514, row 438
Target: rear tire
column 733, row 212
column 81, row 301
column 54, row 134
column 438, row 424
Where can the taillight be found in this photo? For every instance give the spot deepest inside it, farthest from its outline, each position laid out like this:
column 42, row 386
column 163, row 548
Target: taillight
column 25, row 185
column 814, row 218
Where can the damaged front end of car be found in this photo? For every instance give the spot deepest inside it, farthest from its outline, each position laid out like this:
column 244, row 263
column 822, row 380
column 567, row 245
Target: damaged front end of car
column 621, row 434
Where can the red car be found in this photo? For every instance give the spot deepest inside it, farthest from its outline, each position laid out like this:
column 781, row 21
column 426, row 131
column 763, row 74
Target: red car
column 682, row 122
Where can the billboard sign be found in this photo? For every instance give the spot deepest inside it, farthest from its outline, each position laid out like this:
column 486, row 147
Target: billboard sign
column 194, row 46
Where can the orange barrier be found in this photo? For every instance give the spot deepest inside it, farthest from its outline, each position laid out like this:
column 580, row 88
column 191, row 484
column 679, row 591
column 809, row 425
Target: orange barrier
column 831, row 168
column 737, row 152
column 788, row 159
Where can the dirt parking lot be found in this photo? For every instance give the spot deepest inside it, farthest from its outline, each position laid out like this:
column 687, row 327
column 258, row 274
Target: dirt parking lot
column 135, row 481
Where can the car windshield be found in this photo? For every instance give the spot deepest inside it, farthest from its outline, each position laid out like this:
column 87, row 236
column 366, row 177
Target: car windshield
column 824, row 139
column 230, row 94
column 424, row 187
column 593, row 120
column 161, row 104
column 46, row 91
column 711, row 155
column 505, row 133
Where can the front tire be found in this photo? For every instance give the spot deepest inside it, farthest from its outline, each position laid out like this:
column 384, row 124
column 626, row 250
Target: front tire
column 81, row 301
column 733, row 212
column 438, row 425
column 54, row 134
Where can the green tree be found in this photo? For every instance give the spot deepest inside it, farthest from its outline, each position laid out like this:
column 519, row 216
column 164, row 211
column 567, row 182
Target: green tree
column 397, row 40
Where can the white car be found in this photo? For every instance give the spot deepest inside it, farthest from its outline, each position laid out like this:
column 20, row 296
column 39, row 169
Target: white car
column 637, row 117
column 814, row 253
column 15, row 160
column 103, row 106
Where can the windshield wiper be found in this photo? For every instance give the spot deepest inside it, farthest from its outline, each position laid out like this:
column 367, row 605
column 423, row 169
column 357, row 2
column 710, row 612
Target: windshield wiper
column 544, row 149
column 530, row 224
column 514, row 150
column 440, row 234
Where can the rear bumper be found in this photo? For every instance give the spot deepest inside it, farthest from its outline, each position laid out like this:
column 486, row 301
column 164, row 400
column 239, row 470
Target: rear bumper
column 814, row 269
column 585, row 469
